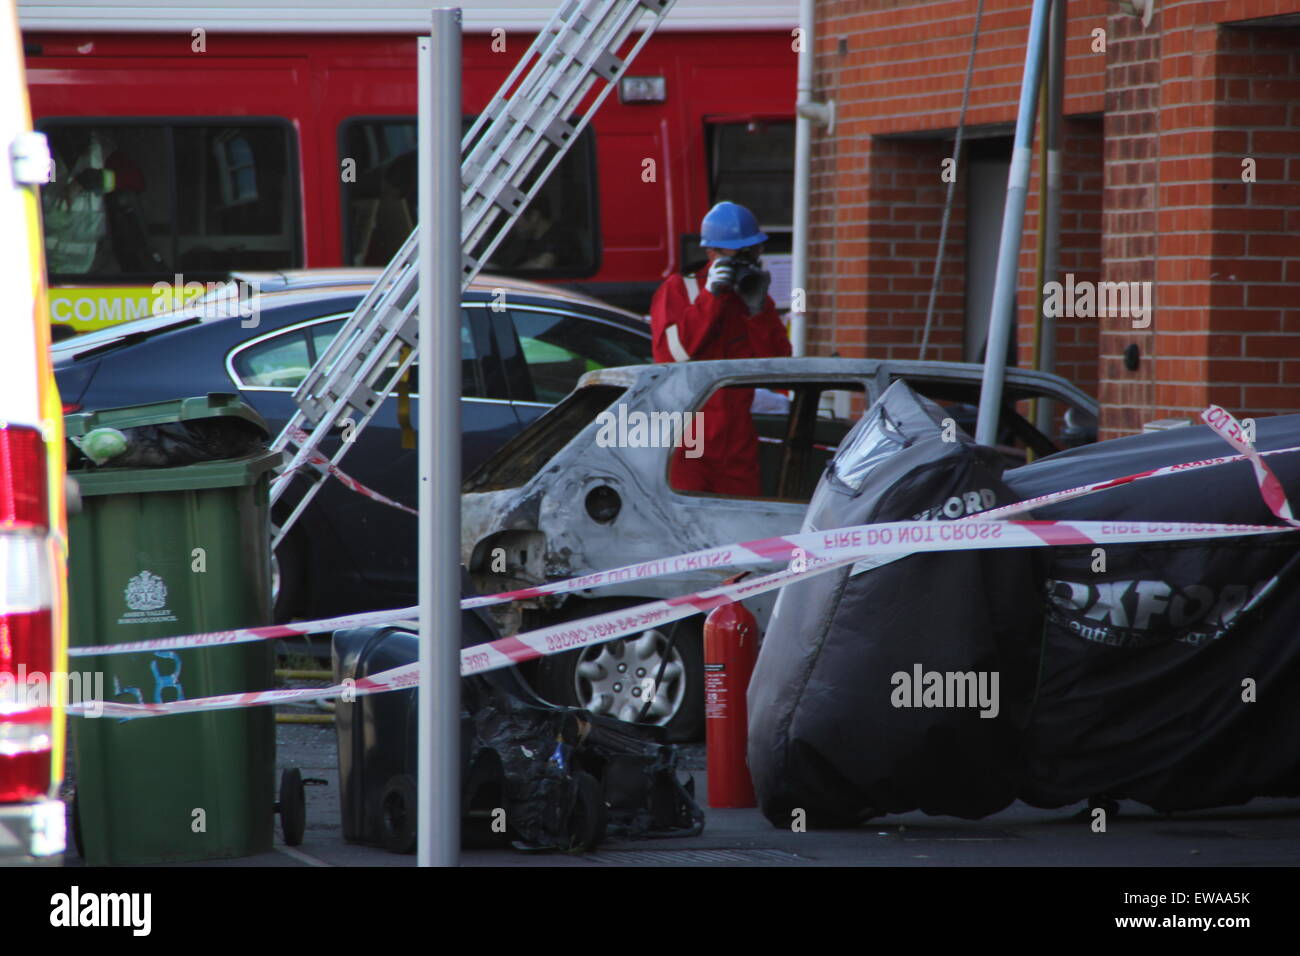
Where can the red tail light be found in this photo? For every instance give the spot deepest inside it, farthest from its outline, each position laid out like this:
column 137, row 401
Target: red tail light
column 23, row 491
column 26, row 740
column 26, row 640
column 26, row 621
column 70, row 407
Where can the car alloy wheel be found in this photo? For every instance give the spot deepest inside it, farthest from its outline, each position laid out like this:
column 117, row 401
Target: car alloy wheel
column 586, row 678
column 617, row 678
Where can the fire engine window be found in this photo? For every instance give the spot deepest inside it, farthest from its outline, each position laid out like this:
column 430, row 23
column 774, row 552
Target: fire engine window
column 771, row 442
column 556, row 237
column 752, row 163
column 147, row 199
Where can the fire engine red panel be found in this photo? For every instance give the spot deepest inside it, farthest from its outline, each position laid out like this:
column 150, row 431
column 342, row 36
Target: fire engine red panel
column 318, row 82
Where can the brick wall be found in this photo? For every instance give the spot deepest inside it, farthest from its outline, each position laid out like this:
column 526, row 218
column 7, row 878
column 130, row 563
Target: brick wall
column 1158, row 127
column 1130, row 242
column 898, row 68
column 1250, row 351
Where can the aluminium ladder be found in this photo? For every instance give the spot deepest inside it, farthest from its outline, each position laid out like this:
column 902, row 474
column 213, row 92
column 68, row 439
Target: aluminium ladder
column 528, row 121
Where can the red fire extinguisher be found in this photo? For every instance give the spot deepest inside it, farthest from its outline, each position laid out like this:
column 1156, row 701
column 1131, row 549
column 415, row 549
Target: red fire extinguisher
column 730, row 651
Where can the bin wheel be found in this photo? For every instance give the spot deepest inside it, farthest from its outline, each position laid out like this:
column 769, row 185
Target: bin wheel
column 397, row 812
column 293, row 807
column 586, row 823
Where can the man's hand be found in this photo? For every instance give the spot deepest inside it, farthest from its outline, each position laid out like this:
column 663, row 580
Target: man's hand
column 722, row 275
column 756, row 286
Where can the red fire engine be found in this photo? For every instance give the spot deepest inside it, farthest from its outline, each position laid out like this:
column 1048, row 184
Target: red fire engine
column 251, row 137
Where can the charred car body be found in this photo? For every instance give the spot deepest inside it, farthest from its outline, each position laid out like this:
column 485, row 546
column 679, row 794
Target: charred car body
column 561, row 499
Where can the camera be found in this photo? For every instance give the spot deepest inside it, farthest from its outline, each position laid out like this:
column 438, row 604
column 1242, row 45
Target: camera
column 748, row 272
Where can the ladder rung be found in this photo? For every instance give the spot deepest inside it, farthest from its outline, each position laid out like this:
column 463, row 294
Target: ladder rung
column 498, row 190
column 558, row 131
column 604, row 63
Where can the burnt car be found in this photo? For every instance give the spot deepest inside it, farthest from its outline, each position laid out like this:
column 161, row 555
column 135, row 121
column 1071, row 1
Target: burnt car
column 558, row 501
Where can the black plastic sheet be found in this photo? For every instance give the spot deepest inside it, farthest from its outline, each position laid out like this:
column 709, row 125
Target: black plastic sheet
column 180, row 443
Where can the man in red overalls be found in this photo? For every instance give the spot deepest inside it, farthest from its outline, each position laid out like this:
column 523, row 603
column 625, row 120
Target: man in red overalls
column 716, row 321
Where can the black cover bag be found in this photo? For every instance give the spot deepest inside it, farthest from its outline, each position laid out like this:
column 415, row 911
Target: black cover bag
column 1151, row 650
column 825, row 734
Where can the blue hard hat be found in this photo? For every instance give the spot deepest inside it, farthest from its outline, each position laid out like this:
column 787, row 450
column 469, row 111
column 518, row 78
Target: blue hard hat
column 728, row 226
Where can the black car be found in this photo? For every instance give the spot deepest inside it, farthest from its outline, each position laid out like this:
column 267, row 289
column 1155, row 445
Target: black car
column 523, row 348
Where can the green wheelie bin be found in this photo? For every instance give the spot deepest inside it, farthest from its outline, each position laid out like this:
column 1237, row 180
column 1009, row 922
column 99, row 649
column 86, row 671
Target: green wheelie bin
column 158, row 552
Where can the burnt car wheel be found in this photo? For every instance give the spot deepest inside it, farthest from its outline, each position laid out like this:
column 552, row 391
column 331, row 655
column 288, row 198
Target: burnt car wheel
column 617, row 678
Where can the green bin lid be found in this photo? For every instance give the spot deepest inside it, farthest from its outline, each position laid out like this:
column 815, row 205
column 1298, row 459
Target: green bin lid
column 212, row 405
column 227, row 473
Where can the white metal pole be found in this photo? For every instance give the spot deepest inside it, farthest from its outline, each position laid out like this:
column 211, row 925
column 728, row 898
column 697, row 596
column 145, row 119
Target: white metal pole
column 438, row 817
column 1052, row 219
column 802, row 182
column 1003, row 312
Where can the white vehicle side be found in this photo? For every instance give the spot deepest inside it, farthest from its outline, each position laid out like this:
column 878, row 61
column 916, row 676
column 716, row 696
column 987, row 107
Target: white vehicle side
column 33, row 527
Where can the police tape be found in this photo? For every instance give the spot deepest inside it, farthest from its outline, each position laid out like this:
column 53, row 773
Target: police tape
column 1274, row 495
column 904, row 538
column 320, row 461
column 398, row 678
column 245, row 634
column 815, row 553
column 1057, row 497
column 811, row 553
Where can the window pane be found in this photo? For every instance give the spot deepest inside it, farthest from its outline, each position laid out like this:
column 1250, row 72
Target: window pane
column 560, row 349
column 236, row 207
column 753, row 164
column 280, row 362
column 379, row 207
column 471, row 378
column 108, row 209
column 556, row 236
column 322, row 335
column 109, row 212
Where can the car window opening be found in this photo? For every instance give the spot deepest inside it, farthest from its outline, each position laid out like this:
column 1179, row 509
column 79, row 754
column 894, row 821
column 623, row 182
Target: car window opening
column 770, row 442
